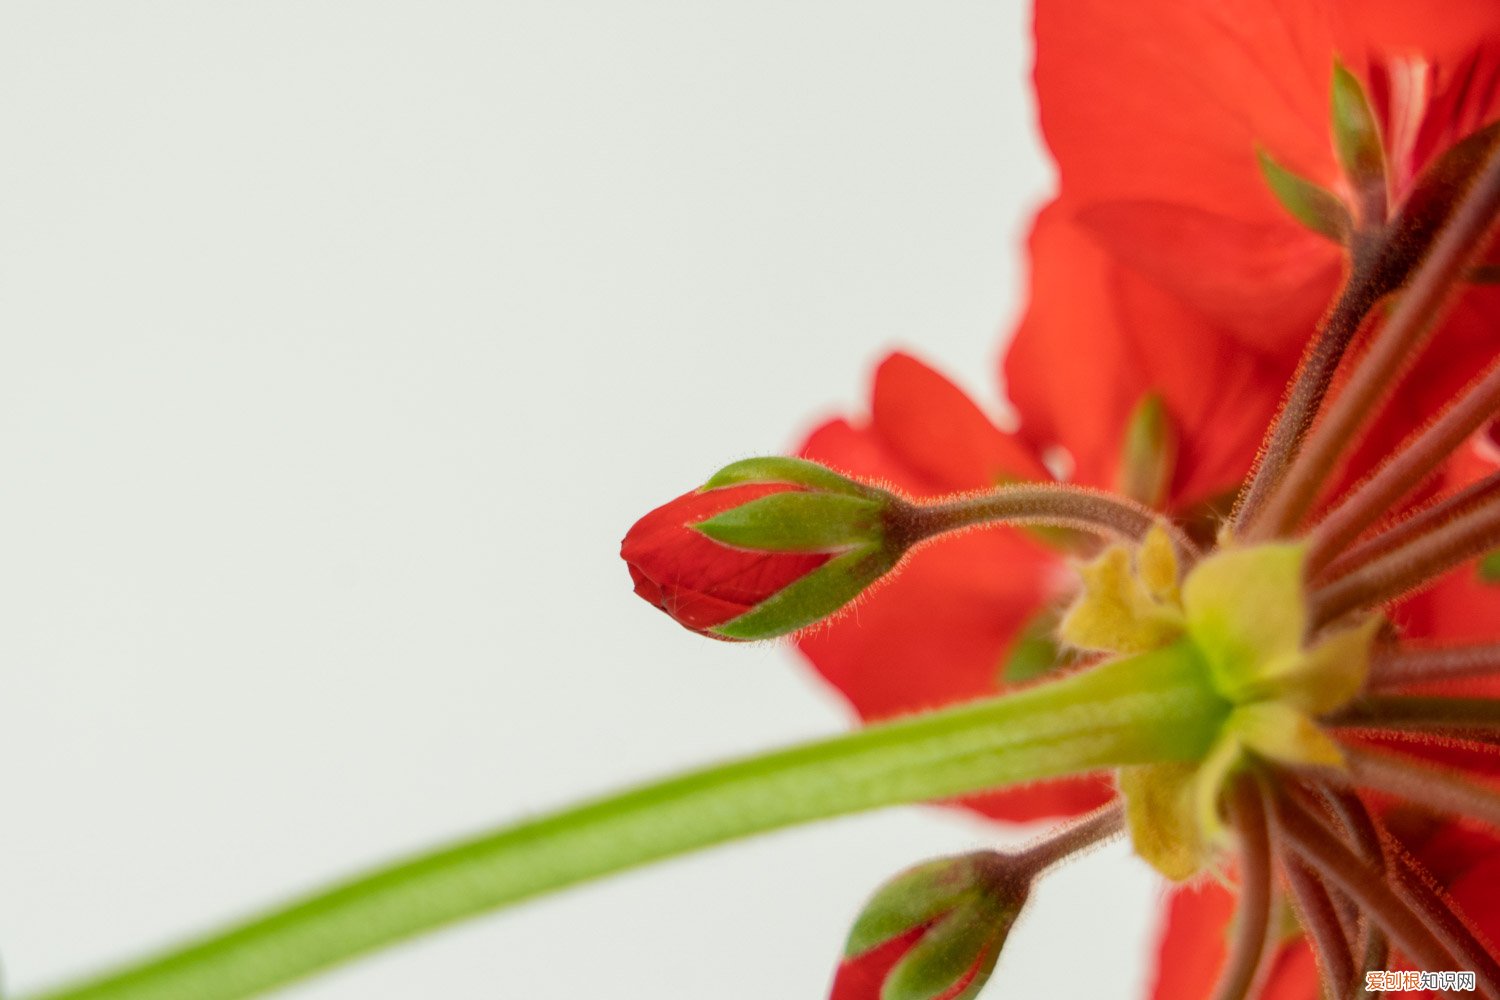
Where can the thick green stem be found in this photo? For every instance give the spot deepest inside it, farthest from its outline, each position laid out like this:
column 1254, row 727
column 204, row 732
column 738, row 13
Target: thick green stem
column 1155, row 707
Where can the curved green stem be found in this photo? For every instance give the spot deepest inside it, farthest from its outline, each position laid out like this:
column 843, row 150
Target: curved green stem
column 1154, row 707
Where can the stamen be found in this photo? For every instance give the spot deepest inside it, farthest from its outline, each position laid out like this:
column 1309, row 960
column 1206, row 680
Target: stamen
column 1248, row 950
column 1413, row 316
column 1424, row 520
column 1400, row 666
column 1321, row 849
column 1414, row 461
column 1440, row 789
column 1316, row 910
column 1409, row 567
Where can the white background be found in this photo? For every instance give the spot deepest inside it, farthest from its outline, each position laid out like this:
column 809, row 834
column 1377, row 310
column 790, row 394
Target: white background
column 339, row 345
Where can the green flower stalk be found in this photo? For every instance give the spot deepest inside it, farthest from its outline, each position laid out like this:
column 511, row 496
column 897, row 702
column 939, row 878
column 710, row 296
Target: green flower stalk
column 1155, row 707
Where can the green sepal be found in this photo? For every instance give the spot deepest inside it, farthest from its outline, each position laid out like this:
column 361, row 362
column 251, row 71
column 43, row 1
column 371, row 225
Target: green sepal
column 1282, row 732
column 798, row 521
column 911, row 899
column 1160, row 814
column 1035, row 652
column 1246, row 617
column 967, row 943
column 1222, row 762
column 816, row 595
column 798, row 471
column 1244, row 608
column 1489, row 567
column 1316, row 207
column 1357, row 143
column 1172, row 809
column 1129, row 599
column 1324, row 677
column 1148, row 456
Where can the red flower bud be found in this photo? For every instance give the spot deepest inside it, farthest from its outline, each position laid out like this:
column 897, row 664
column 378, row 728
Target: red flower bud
column 934, row 931
column 768, row 546
column 698, row 581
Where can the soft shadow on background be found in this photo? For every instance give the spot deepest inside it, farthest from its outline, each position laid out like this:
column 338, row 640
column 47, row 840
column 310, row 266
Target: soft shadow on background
column 341, row 345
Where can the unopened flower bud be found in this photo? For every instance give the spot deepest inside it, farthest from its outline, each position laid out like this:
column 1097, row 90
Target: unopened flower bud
column 765, row 547
column 935, row 931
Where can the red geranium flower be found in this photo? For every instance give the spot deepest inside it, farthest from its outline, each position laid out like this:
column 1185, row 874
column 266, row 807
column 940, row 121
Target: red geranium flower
column 1167, row 267
column 1154, row 111
column 1174, row 289
column 1190, row 210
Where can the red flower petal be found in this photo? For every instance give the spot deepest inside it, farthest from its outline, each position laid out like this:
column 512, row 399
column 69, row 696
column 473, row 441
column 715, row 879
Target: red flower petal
column 1266, row 282
column 863, row 976
column 1401, row 26
column 1191, row 944
column 696, row 580
column 1205, row 83
column 1096, row 337
column 937, row 433
column 1293, row 974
